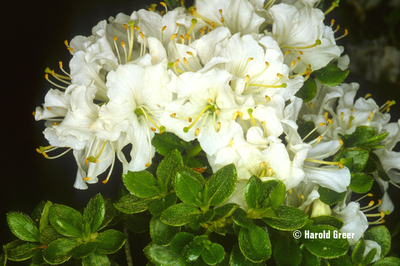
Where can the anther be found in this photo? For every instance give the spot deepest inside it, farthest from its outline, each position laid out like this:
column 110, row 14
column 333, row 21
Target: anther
column 368, row 95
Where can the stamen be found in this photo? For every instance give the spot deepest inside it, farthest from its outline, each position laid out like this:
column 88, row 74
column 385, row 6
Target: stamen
column 333, row 6
column 152, row 7
column 394, row 184
column 194, row 59
column 58, row 76
column 250, row 112
column 332, row 22
column 130, row 37
column 186, row 129
column 46, row 76
column 325, row 162
column 317, row 42
column 344, row 35
column 60, row 64
column 194, row 21
column 94, row 159
column 116, row 49
column 269, row 4
column 314, row 129
column 126, row 55
column 368, row 95
column 68, row 47
column 366, row 195
column 192, row 11
column 165, row 6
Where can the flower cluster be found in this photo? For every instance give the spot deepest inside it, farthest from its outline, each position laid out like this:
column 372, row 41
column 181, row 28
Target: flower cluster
column 229, row 74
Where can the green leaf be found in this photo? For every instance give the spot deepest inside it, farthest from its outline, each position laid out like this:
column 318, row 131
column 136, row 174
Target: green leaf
column 360, row 136
column 3, row 260
column 331, row 75
column 240, row 218
column 23, row 227
column 329, row 196
column 308, row 91
column 304, row 129
column 131, row 204
column 285, row 247
column 95, row 259
column 222, row 184
column 201, row 218
column 255, row 193
column 161, row 233
column 381, row 172
column 388, row 261
column 238, row 259
column 188, row 184
column 359, row 156
column 109, row 241
column 381, row 235
column 66, row 220
column 41, row 214
column 19, row 250
column 94, row 212
column 370, row 256
column 326, row 246
column 341, row 261
column 361, row 183
column 180, row 241
column 59, row 251
column 214, row 254
column 276, row 193
column 48, row 235
column 358, row 253
column 166, row 142
column 254, row 244
column 137, row 223
column 161, row 255
column 179, row 214
column 224, row 211
column 84, row 250
column 166, row 170
column 108, row 215
column 158, row 206
column 193, row 251
column 287, row 219
column 309, row 259
column 376, row 139
column 142, row 184
column 327, row 220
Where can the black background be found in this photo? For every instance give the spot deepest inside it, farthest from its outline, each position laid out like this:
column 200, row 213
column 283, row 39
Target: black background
column 32, row 35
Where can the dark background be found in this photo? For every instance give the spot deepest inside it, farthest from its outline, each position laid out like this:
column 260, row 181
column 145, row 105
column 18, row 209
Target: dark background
column 32, row 38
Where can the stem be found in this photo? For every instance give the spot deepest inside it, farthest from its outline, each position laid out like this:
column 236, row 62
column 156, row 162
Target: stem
column 127, row 248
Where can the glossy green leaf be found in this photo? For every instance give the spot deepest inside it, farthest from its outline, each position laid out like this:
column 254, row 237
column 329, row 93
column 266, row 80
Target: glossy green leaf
column 166, row 142
column 381, row 172
column 240, row 218
column 214, row 254
column 380, row 234
column 161, row 255
column 180, row 241
column 222, row 184
column 66, row 220
column 109, row 241
column 376, row 139
column 41, row 214
column 329, row 196
column 287, row 219
column 254, row 244
column 224, row 211
column 360, row 136
column 84, row 250
column 255, row 193
column 308, row 91
column 179, row 214
column 388, row 261
column 188, row 184
column 131, row 204
column 285, row 247
column 166, row 170
column 142, row 184
column 276, row 193
column 137, row 223
column 317, row 241
column 48, row 235
column 359, row 156
column 331, row 75
column 19, row 250
column 341, row 261
column 94, row 212
column 309, row 259
column 158, row 206
column 201, row 218
column 238, row 259
column 361, row 183
column 109, row 214
column 59, row 251
column 327, row 220
column 370, row 256
column 161, row 233
column 23, row 227
column 95, row 259
column 193, row 251
column 358, row 253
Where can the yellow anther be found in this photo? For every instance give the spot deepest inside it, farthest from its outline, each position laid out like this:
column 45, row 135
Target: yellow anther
column 218, row 127
column 213, row 25
column 126, row 26
column 300, row 52
column 287, row 52
column 267, row 98
column 332, row 22
column 55, row 124
column 163, row 4
column 177, row 24
column 152, row 129
column 190, row 120
column 105, row 181
column 187, row 36
column 182, row 2
column 370, row 195
column 176, row 62
column 147, row 164
column 280, row 76
column 379, row 202
column 48, row 108
column 46, row 76
column 122, row 43
column 174, row 36
column 293, row 63
column 115, row 38
column 141, row 35
column 197, row 132
column 163, row 28
column 310, row 104
column 329, row 121
column 371, row 203
column 86, row 178
column 337, row 27
column 136, row 28
column 231, row 143
column 66, row 43
column 189, row 53
column 60, row 64
column 33, row 113
column 217, row 111
column 341, row 115
column 209, row 100
column 340, row 142
column 173, row 115
column 368, row 95
column 321, row 124
column 270, row 172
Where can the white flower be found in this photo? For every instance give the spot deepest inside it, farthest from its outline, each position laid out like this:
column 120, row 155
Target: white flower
column 369, row 245
column 236, row 15
column 136, row 99
column 303, row 33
